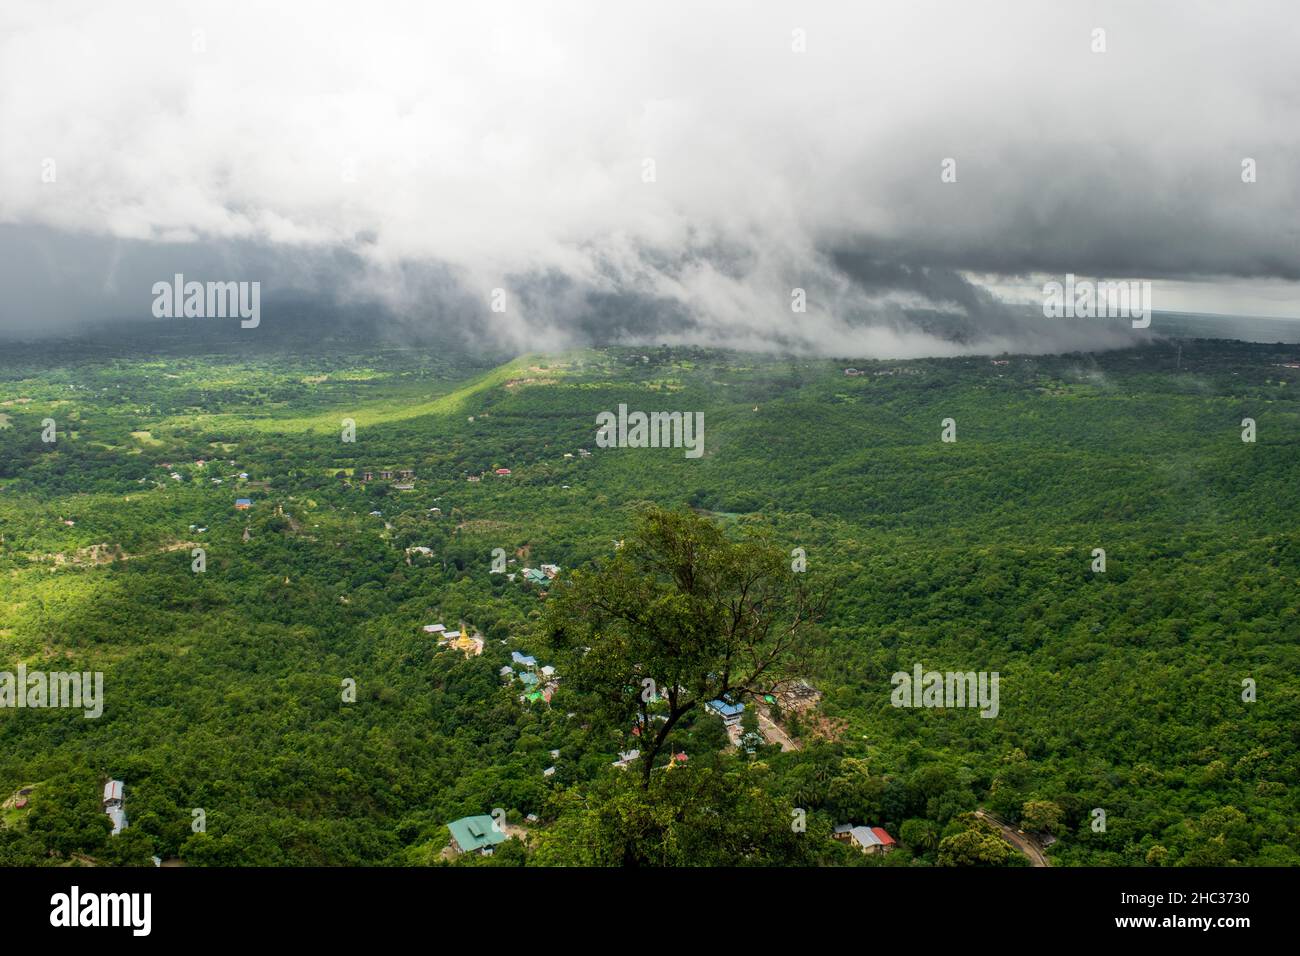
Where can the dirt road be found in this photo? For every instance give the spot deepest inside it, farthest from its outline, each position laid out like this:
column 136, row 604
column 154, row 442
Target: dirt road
column 773, row 733
column 1021, row 841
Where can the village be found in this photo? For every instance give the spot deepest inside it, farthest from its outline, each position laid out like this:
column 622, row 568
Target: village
column 482, row 833
column 748, row 724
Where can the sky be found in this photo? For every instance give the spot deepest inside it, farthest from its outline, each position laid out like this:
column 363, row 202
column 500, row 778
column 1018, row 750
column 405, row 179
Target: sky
column 659, row 172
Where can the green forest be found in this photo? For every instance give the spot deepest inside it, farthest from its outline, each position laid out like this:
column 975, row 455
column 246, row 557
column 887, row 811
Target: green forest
column 285, row 706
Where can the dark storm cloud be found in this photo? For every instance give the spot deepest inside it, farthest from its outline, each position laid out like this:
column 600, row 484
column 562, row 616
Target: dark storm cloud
column 672, row 173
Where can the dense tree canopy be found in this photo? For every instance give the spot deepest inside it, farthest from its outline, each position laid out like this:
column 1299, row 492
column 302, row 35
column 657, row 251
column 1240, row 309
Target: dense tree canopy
column 1159, row 693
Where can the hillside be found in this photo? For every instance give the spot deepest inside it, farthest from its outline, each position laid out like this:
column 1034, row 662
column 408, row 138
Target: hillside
column 1120, row 690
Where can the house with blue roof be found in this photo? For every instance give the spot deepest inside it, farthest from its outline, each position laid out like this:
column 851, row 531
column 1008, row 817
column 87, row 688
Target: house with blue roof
column 730, row 713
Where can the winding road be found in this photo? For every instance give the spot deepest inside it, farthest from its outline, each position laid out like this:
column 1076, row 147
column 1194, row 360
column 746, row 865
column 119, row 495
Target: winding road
column 1021, row 841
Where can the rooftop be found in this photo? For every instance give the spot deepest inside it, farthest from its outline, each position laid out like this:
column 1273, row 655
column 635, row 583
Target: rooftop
column 475, row 833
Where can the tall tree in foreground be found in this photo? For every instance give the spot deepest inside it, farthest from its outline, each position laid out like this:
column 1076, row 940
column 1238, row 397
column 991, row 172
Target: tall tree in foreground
column 680, row 616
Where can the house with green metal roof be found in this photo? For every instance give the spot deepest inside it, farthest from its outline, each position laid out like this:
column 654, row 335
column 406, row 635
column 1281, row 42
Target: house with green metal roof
column 470, row 834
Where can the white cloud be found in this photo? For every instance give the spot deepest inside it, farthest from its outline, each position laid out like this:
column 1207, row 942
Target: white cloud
column 504, row 139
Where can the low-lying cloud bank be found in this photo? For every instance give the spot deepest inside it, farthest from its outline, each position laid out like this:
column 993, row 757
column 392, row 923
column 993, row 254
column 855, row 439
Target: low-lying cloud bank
column 670, row 173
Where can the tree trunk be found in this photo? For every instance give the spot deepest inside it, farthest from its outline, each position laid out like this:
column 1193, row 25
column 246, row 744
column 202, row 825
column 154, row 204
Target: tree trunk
column 648, row 758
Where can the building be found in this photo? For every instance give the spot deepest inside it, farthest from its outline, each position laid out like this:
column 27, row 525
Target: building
column 243, row 504
column 386, row 475
column 550, row 570
column 475, row 835
column 870, row 839
column 469, row 646
column 730, row 713
column 797, row 696
column 434, row 628
column 367, row 476
column 627, row 757
column 524, row 659
column 886, row 841
column 114, row 797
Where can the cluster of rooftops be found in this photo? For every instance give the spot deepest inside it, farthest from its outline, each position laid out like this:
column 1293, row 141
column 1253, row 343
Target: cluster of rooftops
column 540, row 575
column 469, row 645
column 540, row 683
column 866, row 839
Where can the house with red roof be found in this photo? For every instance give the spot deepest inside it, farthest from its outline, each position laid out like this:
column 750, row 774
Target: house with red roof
column 866, row 839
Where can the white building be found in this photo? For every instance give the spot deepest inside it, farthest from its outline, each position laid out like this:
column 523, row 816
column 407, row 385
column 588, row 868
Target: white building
column 114, row 794
column 118, row 816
